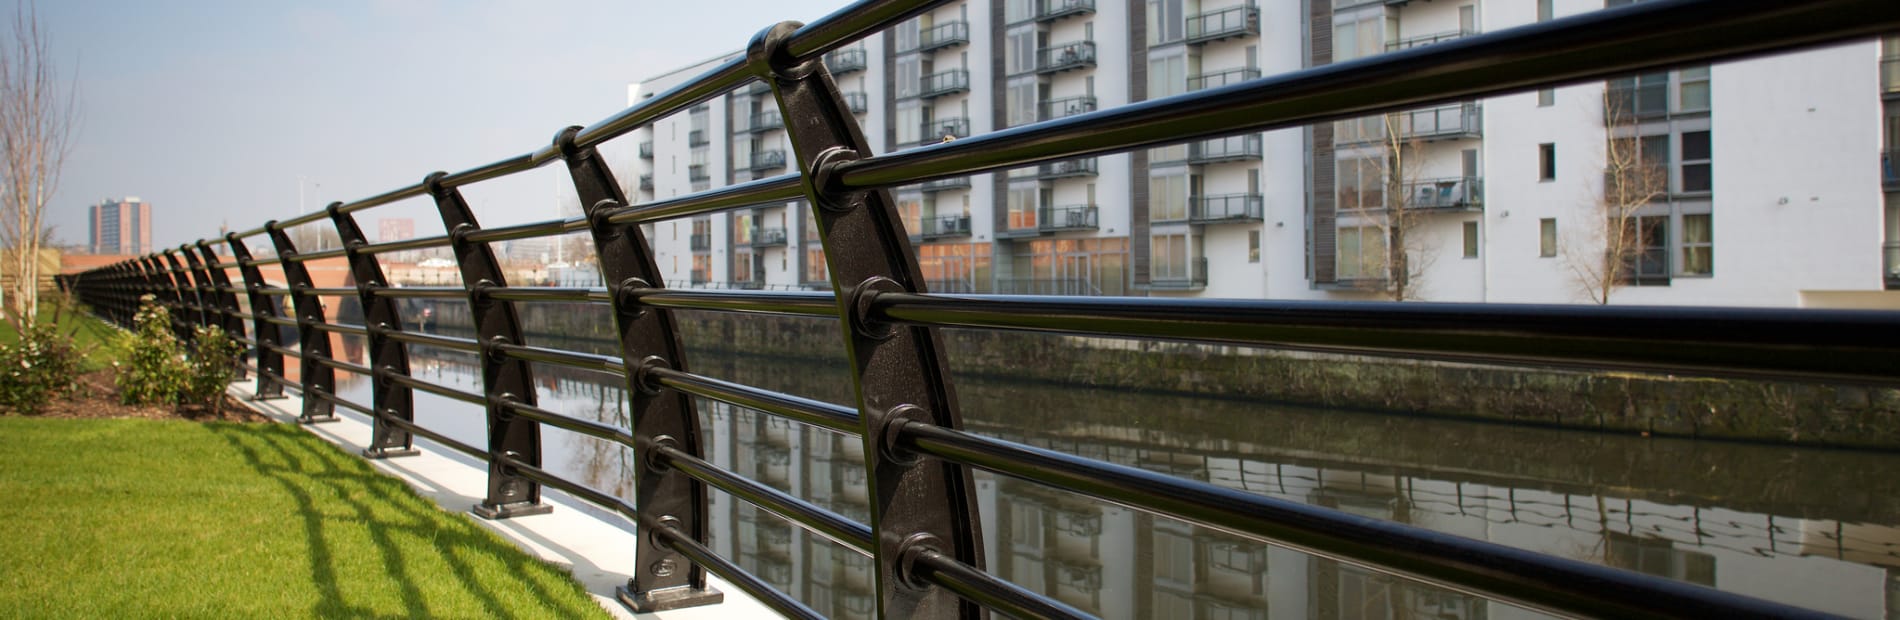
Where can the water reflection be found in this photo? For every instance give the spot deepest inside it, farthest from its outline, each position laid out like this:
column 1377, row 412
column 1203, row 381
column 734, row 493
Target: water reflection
column 1810, row 527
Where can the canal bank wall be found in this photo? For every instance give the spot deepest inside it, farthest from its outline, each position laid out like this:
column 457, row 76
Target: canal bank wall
column 1634, row 403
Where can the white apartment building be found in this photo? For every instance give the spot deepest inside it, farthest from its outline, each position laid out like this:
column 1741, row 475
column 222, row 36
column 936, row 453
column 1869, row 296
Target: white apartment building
column 1766, row 182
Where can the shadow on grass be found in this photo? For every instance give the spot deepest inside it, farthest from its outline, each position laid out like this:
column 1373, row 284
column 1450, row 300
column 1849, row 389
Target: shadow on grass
column 335, row 494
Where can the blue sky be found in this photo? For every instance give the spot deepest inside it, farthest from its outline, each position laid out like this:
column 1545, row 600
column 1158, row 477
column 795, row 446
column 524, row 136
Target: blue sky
column 213, row 110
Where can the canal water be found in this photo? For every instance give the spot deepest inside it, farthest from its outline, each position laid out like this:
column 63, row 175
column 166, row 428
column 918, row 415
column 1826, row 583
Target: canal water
column 1813, row 527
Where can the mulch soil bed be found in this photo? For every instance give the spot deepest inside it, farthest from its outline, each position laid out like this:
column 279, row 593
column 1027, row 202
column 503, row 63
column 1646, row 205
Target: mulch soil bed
column 98, row 398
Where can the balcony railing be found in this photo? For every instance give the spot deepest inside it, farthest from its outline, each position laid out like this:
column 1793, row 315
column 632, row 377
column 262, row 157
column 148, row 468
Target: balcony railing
column 940, row 226
column 943, row 83
column 856, row 102
column 1225, row 23
column 1065, row 57
column 941, row 36
column 765, row 160
column 646, row 150
column 697, row 137
column 1066, row 106
column 1626, row 102
column 1081, row 287
column 1230, row 148
column 1067, row 168
column 765, row 237
column 1180, row 277
column 1890, row 169
column 935, row 131
column 945, row 184
column 1446, row 122
column 845, row 61
column 1066, row 217
column 1428, row 39
column 697, row 172
column 765, row 121
column 701, row 242
column 1466, row 193
column 1226, row 208
column 1051, row 10
column 1218, row 79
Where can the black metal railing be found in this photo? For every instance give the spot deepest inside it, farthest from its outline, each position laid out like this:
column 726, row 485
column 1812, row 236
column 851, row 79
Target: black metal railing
column 646, row 149
column 941, row 36
column 1065, row 57
column 943, row 83
column 1425, row 39
column 764, row 121
column 1067, row 217
column 1225, row 149
column 1226, row 208
column 764, row 160
column 940, row 226
column 765, row 236
column 939, row 185
column 1051, row 10
column 1067, row 168
column 700, row 242
column 1193, row 274
column 1222, row 24
column 1217, row 79
column 921, row 535
column 856, row 102
column 1466, row 192
column 1065, row 107
column 845, row 61
column 948, row 127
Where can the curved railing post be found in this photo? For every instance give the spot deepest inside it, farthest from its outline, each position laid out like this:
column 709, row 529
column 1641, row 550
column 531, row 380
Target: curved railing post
column 158, row 276
column 318, row 378
column 380, row 316
column 918, row 505
column 270, row 363
column 221, row 294
column 504, row 379
column 208, row 312
column 188, row 311
column 667, row 498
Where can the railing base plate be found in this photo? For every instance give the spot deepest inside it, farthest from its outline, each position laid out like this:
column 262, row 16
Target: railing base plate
column 389, row 453
column 321, row 420
column 669, row 598
column 508, row 511
column 268, row 397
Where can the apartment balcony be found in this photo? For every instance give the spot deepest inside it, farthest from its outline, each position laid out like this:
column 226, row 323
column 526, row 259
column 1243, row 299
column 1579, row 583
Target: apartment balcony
column 697, row 137
column 1451, row 193
column 1226, row 208
column 1066, row 106
column 767, row 237
column 1240, row 21
column 699, row 278
column 646, row 150
column 952, row 127
column 845, row 61
column 941, row 36
column 1447, row 122
column 1067, row 168
column 1890, row 170
column 940, row 185
column 646, row 182
column 1067, row 217
column 1231, row 148
column 941, row 226
column 701, row 242
column 1065, row 57
column 697, row 173
column 1423, row 40
column 1194, row 276
column 1217, row 79
column 1052, row 10
column 765, row 121
column 943, row 83
column 856, row 102
column 765, row 160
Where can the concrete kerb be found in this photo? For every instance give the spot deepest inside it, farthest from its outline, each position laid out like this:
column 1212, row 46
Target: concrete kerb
column 592, row 543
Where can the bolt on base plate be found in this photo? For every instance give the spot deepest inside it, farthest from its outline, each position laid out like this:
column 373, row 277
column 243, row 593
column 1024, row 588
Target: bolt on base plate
column 506, row 511
column 664, row 599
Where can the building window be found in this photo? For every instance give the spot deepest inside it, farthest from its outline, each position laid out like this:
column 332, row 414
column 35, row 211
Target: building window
column 1253, row 246
column 1361, row 183
column 1166, row 22
column 1544, row 10
column 1471, row 239
column 1361, row 252
column 1546, row 97
column 1652, row 95
column 1547, row 161
column 1695, row 169
column 1168, row 255
column 1547, row 237
column 1167, row 198
column 1647, row 262
column 1361, row 33
column 1021, row 101
column 1698, row 251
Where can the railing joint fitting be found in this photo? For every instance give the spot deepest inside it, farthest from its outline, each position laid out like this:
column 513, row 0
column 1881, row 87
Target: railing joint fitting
column 823, row 180
column 891, row 433
column 627, row 297
column 914, row 548
column 644, row 377
column 768, row 56
column 862, row 298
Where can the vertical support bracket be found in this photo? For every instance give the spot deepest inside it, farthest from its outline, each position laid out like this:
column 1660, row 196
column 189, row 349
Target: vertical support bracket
column 222, row 295
column 663, row 578
column 899, row 373
column 165, row 288
column 380, row 316
column 318, row 378
column 186, row 267
column 270, row 363
column 504, row 379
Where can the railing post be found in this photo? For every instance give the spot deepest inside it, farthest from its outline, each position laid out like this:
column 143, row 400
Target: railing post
column 200, row 287
column 222, row 295
column 317, row 377
column 166, row 289
column 918, row 505
column 380, row 316
column 667, row 498
column 503, row 379
column 188, row 314
column 270, row 363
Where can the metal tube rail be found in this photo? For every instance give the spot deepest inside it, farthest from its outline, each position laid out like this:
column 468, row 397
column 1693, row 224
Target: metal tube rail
column 570, row 423
column 302, row 257
column 1591, row 46
column 346, row 403
column 438, row 390
column 446, row 342
column 791, row 303
column 418, row 243
column 1521, row 577
column 343, row 328
column 331, row 291
column 782, row 188
column 283, row 350
column 572, row 359
column 529, row 231
column 283, row 382
column 344, row 366
column 423, row 292
column 1856, row 346
column 836, row 418
column 780, row 602
column 810, row 516
column 548, row 293
column 985, row 589
column 417, row 430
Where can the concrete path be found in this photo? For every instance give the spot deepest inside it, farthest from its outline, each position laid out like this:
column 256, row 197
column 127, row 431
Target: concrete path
column 596, row 545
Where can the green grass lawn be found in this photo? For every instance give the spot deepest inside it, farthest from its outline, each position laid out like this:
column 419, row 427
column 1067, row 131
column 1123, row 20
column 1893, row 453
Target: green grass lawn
column 90, row 335
column 141, row 518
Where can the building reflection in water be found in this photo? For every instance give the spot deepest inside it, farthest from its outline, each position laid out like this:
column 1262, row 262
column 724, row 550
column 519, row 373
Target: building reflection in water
column 1121, row 563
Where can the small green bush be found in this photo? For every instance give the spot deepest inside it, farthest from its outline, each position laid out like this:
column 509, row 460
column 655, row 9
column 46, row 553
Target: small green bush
column 213, row 366
column 154, row 370
column 40, row 367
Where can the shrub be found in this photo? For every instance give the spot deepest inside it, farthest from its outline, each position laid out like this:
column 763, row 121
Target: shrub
column 153, row 370
column 40, row 367
column 213, row 366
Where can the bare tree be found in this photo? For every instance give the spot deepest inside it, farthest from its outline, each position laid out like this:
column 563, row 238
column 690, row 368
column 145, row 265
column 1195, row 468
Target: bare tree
column 37, row 119
column 1398, row 257
column 1632, row 180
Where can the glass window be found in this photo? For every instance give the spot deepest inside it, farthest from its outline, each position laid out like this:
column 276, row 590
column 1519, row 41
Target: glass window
column 1698, row 247
column 1547, row 237
column 1022, row 208
column 1471, row 239
column 909, row 76
column 1169, row 257
column 1546, row 97
column 1167, row 198
column 1253, row 246
column 1019, row 54
column 1021, row 102
column 1692, row 89
column 1167, row 76
column 1544, row 10
column 909, row 122
column 1547, row 162
column 1695, row 162
column 1361, row 183
column 1166, row 23
column 1361, row 252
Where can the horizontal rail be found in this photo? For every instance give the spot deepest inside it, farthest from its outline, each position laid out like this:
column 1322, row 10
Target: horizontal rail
column 430, row 435
column 1837, row 345
column 342, row 365
column 345, row 403
column 418, row 243
column 438, row 390
column 801, row 303
column 985, row 589
column 446, row 342
column 821, row 414
column 780, row 602
column 834, row 526
column 529, row 231
column 572, row 359
column 548, row 293
column 569, row 423
column 782, row 188
column 421, row 292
